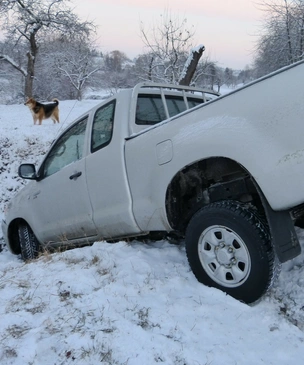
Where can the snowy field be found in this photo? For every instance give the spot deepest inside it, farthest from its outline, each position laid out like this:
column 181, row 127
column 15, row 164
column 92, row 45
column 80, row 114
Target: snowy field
column 128, row 304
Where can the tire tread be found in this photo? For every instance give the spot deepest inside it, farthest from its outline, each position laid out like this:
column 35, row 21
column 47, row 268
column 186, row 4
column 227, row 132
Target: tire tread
column 28, row 242
column 252, row 216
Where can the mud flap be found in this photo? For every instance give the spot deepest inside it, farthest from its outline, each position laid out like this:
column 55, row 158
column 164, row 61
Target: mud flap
column 282, row 230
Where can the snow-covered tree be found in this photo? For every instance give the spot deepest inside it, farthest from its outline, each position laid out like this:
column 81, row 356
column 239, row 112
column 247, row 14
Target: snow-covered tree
column 168, row 46
column 11, row 80
column 229, row 79
column 246, row 75
column 27, row 22
column 117, row 71
column 65, row 67
column 10, row 84
column 76, row 64
column 282, row 39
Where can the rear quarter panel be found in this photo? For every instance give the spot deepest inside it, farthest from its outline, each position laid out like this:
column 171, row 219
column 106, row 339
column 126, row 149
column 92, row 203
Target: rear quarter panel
column 260, row 126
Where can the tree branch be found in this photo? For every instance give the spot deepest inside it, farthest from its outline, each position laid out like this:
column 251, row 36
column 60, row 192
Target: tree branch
column 13, row 63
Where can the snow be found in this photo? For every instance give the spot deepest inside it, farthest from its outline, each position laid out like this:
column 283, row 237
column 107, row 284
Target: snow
column 197, row 49
column 130, row 302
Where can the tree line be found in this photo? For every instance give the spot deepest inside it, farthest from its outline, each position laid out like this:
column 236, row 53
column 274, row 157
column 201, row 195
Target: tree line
column 281, row 40
column 48, row 51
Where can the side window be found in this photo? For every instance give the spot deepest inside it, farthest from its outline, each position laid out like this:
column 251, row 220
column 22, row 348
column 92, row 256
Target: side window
column 102, row 126
column 68, row 149
column 175, row 105
column 194, row 102
column 149, row 110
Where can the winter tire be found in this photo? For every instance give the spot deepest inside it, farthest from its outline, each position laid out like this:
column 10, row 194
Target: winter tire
column 29, row 244
column 228, row 247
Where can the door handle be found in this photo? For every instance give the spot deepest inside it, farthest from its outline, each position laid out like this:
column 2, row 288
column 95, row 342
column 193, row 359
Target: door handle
column 76, row 175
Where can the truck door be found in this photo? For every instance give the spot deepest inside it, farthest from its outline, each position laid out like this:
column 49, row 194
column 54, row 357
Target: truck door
column 106, row 177
column 61, row 197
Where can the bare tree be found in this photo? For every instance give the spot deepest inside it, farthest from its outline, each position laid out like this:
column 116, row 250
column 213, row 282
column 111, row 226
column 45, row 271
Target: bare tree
column 229, row 78
column 246, row 75
column 115, row 60
column 282, row 38
column 10, row 84
column 117, row 72
column 75, row 63
column 27, row 22
column 168, row 45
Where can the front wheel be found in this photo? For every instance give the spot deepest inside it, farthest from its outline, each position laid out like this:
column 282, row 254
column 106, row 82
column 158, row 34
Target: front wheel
column 228, row 247
column 29, row 244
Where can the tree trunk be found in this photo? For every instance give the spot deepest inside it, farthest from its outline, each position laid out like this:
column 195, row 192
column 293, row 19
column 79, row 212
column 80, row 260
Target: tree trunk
column 79, row 93
column 31, row 59
column 150, row 68
column 190, row 65
column 28, row 87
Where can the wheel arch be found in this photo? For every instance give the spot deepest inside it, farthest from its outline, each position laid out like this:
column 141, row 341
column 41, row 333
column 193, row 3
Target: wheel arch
column 220, row 178
column 13, row 237
column 206, row 181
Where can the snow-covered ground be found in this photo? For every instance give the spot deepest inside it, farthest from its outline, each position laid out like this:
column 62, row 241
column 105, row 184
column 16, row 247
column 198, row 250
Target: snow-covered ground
column 128, row 303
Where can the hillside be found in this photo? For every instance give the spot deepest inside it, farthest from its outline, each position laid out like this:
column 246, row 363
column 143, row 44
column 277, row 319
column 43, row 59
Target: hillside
column 128, row 303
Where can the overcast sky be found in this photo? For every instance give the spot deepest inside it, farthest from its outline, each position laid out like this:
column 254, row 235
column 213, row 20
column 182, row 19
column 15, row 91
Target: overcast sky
column 227, row 28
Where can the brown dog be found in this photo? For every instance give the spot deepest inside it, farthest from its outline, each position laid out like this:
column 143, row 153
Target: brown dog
column 43, row 111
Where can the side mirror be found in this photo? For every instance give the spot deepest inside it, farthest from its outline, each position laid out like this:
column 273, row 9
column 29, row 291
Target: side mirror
column 27, row 171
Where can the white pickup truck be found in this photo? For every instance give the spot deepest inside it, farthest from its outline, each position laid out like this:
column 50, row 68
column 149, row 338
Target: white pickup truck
column 226, row 174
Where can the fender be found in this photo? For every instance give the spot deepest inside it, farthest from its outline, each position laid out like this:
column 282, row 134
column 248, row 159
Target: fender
column 282, row 230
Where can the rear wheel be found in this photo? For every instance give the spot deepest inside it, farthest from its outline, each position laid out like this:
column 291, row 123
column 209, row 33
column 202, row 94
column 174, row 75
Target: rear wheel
column 29, row 244
column 228, row 247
